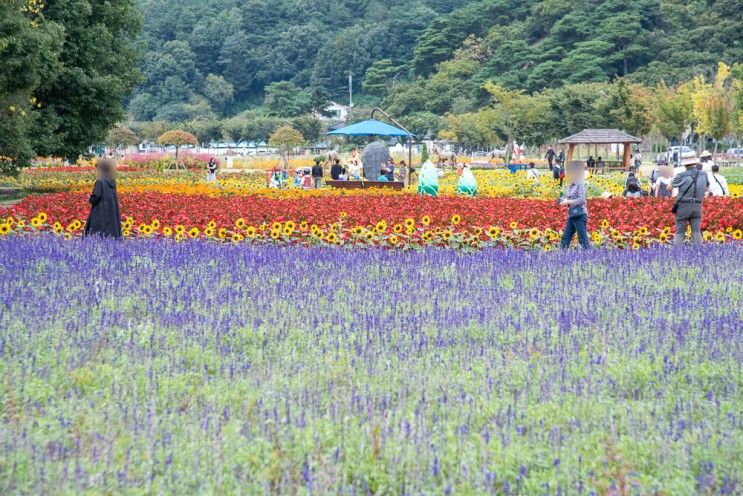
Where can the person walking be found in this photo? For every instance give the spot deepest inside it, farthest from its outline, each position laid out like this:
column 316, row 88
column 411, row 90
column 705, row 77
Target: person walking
column 561, row 157
column 317, row 174
column 577, row 203
column 105, row 217
column 692, row 185
column 718, row 185
column 550, row 156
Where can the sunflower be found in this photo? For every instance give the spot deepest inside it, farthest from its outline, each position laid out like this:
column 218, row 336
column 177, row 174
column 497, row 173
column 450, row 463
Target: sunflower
column 193, row 232
column 221, row 233
column 642, row 231
column 635, row 246
column 397, row 228
column 381, row 226
column 36, row 222
column 42, row 216
column 332, row 238
column 125, row 232
column 425, row 220
column 707, row 235
column 209, row 231
column 410, row 231
column 604, row 224
column 303, row 225
column 409, row 222
column 212, row 224
column 156, row 224
column 240, row 223
column 288, row 230
column 393, row 240
column 663, row 237
column 250, row 231
column 4, row 229
column 446, row 235
column 427, row 236
column 547, row 247
column 534, row 233
column 738, row 234
column 720, row 236
column 276, row 226
column 314, row 227
column 275, row 234
column 167, row 231
column 493, row 231
column 456, row 219
column 236, row 237
column 344, row 215
column 180, row 230
column 477, row 231
column 179, row 237
column 370, row 235
column 514, row 224
column 729, row 229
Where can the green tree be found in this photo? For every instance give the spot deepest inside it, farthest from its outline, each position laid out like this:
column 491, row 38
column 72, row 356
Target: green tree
column 284, row 99
column 628, row 108
column 309, row 126
column 285, row 139
column 218, row 91
column 121, row 137
column 675, row 113
column 378, row 77
column 713, row 106
column 98, row 71
column 29, row 49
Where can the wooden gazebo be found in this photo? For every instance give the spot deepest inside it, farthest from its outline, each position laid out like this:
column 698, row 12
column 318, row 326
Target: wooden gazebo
column 601, row 137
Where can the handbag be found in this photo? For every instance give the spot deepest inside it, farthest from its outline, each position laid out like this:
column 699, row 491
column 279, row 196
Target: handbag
column 675, row 207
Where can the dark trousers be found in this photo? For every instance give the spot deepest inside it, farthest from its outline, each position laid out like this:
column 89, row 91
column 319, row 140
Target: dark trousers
column 549, row 161
column 575, row 225
column 689, row 215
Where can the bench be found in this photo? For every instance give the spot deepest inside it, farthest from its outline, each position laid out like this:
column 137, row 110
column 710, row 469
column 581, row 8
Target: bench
column 365, row 184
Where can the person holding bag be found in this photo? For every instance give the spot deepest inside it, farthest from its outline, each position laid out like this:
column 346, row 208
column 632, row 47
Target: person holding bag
column 692, row 185
column 576, row 201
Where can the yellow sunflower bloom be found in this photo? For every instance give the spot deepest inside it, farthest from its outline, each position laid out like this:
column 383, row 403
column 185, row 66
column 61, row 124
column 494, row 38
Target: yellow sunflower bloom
column 193, row 232
column 456, row 219
column 425, row 220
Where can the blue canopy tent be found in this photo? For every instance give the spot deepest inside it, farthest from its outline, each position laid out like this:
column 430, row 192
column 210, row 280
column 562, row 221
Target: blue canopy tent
column 373, row 127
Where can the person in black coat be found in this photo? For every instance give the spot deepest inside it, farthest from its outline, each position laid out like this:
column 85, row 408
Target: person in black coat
column 336, row 170
column 105, row 217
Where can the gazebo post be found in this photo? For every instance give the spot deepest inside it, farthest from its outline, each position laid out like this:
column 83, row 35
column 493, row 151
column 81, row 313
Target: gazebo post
column 571, row 149
column 625, row 156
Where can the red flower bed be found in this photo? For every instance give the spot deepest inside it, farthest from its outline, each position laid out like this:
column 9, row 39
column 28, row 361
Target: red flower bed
column 193, row 210
column 72, row 169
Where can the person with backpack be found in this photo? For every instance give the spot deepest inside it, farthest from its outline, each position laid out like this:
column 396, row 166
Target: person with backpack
column 633, row 187
column 718, row 185
column 692, row 185
column 663, row 181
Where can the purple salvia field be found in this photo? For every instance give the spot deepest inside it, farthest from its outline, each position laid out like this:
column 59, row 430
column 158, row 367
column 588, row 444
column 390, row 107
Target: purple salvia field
column 161, row 368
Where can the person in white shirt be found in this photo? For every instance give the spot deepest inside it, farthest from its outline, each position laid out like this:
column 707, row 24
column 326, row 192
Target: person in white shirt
column 532, row 173
column 718, row 185
column 706, row 161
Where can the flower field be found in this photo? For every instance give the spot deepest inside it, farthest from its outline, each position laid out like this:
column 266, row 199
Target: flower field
column 402, row 220
column 199, row 368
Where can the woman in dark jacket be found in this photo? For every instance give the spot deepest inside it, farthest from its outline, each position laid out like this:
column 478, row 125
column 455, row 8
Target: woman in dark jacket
column 105, row 217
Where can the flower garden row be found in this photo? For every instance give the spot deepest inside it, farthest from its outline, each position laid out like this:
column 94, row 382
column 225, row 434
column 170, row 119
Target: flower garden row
column 401, row 220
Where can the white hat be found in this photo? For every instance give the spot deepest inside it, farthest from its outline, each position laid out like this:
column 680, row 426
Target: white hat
column 690, row 160
column 706, row 153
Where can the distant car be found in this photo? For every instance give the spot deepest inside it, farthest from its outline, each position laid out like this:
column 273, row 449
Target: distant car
column 675, row 154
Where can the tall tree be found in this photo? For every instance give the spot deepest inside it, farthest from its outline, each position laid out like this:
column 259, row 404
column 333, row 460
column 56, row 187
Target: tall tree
column 713, row 105
column 29, row 50
column 98, row 70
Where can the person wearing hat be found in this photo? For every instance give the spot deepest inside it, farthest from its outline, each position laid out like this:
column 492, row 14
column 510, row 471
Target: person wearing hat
column 706, row 161
column 692, row 186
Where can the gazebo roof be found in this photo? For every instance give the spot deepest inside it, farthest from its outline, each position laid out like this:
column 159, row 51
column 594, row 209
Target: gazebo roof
column 600, row 136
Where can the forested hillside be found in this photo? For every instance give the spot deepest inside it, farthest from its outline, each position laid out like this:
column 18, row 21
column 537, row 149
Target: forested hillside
column 216, row 58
